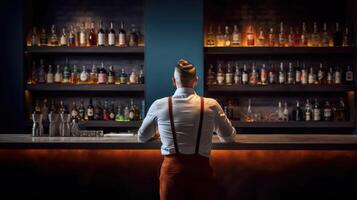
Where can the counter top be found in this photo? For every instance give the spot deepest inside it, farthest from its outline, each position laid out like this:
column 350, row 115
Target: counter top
column 243, row 142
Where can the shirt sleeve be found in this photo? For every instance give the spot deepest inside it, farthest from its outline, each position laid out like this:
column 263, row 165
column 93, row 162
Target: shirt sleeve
column 223, row 127
column 149, row 126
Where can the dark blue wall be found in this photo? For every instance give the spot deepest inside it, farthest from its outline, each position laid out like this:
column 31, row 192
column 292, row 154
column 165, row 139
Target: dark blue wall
column 173, row 30
column 11, row 59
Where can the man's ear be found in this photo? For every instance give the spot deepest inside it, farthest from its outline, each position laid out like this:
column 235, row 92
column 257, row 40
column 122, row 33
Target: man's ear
column 195, row 81
column 173, row 81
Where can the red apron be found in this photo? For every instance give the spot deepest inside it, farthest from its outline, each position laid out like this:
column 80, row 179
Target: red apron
column 186, row 176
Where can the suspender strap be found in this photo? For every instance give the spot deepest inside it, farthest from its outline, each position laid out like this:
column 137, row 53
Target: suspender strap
column 199, row 127
column 173, row 126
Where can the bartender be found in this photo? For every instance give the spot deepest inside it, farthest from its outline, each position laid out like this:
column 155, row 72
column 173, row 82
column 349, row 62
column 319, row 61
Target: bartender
column 185, row 122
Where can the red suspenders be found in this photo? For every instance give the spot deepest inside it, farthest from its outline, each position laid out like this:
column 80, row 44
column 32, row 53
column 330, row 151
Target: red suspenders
column 174, row 131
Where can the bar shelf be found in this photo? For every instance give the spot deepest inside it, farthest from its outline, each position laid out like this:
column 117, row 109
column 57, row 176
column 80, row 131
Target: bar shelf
column 278, row 50
column 86, row 87
column 92, row 49
column 100, row 124
column 279, row 88
column 295, row 124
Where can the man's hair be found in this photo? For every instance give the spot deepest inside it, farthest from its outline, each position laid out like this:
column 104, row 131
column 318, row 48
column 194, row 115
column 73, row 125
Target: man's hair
column 185, row 72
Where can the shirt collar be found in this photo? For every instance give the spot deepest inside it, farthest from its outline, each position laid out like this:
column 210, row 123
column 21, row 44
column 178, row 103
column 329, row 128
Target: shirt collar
column 184, row 92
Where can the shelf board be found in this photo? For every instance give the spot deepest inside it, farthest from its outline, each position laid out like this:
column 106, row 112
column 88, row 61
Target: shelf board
column 279, row 88
column 277, row 50
column 109, row 124
column 94, row 49
column 294, row 124
column 56, row 87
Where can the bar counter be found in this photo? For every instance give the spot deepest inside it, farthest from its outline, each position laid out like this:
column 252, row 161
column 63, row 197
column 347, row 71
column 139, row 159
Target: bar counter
column 243, row 142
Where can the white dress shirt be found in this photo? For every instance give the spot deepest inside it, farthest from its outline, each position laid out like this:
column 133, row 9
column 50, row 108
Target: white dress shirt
column 186, row 112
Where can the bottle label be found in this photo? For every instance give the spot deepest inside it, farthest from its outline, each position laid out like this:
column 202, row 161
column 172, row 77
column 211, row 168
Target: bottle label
column 90, row 112
column 101, row 39
column 102, row 78
column 111, row 39
column 316, row 115
column 245, row 78
column 349, row 76
column 307, row 116
column 58, row 78
column 229, row 78
column 263, row 76
column 337, row 77
column 311, row 79
column 236, row 38
column 320, row 75
column 271, row 77
column 327, row 112
column 82, row 38
column 63, row 41
column 281, row 78
column 122, row 80
column 133, row 79
column 298, row 76
column 250, row 39
column 84, row 77
column 49, row 78
column 220, row 79
column 122, row 39
column 111, row 79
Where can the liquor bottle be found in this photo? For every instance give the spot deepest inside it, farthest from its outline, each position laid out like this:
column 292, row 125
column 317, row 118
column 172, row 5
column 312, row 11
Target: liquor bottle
column 72, row 37
column 50, row 76
column 253, row 78
column 290, row 76
column 141, row 75
column 316, row 112
column 237, row 75
column 62, row 108
column 123, row 77
column 93, row 77
column 119, row 117
column 346, row 38
column 137, row 112
column 66, row 72
column 338, row 76
column 111, row 112
column 220, row 75
column 315, row 37
column 52, row 108
column 132, row 111
column 311, row 76
column 34, row 37
column 340, row 111
column 330, row 76
column 280, row 112
column 245, row 75
column 250, row 36
column 325, row 41
column 106, row 113
column 111, row 35
column 102, row 76
column 229, row 75
column 81, row 112
column 210, row 40
column 58, row 75
column 264, row 75
column 211, row 77
column 141, row 38
column 45, row 111
column 297, row 113
column 337, row 36
column 111, row 75
column 219, row 37
column 92, row 37
column 282, row 75
column 53, row 36
column 83, row 35
column 261, row 38
column 321, row 78
column 227, row 37
column 349, row 75
column 236, row 37
column 297, row 74
column 133, row 78
column 308, row 112
column 271, row 38
column 286, row 112
column 43, row 38
column 126, row 113
column 63, row 38
column 327, row 111
column 101, row 35
column 272, row 74
column 304, row 75
column 74, row 75
column 42, row 73
column 37, row 108
column 291, row 38
column 297, row 37
column 281, row 37
column 122, row 36
column 249, row 116
column 74, row 112
column 90, row 110
column 84, row 77
column 133, row 37
column 304, row 37
column 98, row 112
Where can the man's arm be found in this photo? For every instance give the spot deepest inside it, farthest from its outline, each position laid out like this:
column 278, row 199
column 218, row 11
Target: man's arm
column 223, row 127
column 148, row 128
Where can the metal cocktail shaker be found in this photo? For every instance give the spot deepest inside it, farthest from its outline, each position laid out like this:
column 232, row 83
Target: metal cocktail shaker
column 54, row 129
column 65, row 128
column 37, row 127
